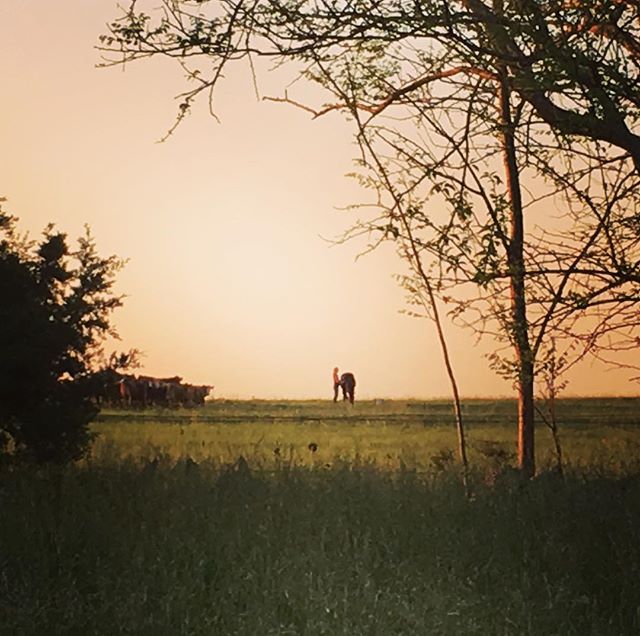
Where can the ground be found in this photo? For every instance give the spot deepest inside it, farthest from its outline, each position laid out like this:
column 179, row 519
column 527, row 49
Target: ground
column 164, row 530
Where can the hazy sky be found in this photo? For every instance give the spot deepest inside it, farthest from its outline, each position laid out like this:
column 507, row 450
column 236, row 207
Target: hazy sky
column 229, row 280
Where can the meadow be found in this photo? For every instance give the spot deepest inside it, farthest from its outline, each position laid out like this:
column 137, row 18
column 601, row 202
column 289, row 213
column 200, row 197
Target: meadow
column 390, row 435
column 225, row 520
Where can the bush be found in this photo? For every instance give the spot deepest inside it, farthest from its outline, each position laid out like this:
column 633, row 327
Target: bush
column 55, row 309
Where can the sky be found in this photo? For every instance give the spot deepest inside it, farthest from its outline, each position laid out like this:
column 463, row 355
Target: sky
column 231, row 279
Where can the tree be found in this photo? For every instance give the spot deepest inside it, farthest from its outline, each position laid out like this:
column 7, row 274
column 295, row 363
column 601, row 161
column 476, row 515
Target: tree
column 457, row 103
column 55, row 309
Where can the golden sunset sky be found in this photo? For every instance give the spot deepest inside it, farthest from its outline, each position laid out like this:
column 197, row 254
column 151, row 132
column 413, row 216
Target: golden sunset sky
column 229, row 280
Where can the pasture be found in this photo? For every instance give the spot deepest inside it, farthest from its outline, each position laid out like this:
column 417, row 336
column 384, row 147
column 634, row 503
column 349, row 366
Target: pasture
column 163, row 530
column 387, row 435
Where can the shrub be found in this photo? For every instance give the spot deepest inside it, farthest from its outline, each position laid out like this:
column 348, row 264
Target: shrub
column 55, row 310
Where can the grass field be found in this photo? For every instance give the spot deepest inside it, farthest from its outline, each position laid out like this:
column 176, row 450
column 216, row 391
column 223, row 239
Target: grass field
column 165, row 531
column 389, row 434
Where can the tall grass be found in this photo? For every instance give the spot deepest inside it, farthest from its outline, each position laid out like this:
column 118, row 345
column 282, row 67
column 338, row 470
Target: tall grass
column 162, row 540
column 186, row 549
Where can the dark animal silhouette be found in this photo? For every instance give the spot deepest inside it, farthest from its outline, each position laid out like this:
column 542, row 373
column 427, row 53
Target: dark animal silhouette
column 129, row 391
column 348, row 384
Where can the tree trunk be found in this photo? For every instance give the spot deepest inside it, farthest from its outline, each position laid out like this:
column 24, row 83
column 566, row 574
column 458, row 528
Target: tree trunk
column 517, row 271
column 462, row 446
column 414, row 256
column 526, row 421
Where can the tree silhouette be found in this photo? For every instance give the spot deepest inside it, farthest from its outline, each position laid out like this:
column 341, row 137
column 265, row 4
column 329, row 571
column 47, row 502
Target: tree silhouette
column 55, row 310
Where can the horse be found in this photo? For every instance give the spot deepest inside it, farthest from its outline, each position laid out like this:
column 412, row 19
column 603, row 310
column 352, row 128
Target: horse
column 348, row 384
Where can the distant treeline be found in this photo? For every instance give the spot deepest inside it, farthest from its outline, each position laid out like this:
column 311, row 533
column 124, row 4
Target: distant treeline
column 130, row 391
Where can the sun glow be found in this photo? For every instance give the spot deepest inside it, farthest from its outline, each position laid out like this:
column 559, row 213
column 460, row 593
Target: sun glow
column 229, row 279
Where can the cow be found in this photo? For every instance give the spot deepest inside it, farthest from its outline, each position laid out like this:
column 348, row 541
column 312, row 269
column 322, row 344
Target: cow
column 133, row 392
column 156, row 391
column 129, row 391
column 197, row 393
column 348, row 384
column 105, row 387
column 176, row 392
column 124, row 390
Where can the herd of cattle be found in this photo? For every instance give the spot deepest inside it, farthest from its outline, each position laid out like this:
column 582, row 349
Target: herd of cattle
column 130, row 391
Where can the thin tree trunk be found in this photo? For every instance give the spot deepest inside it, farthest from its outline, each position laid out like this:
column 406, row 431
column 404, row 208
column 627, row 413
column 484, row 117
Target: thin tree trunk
column 524, row 357
column 553, row 425
column 462, row 446
column 413, row 254
column 550, row 377
column 414, row 257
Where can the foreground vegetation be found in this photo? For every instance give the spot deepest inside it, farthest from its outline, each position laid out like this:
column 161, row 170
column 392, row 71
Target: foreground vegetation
column 274, row 543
